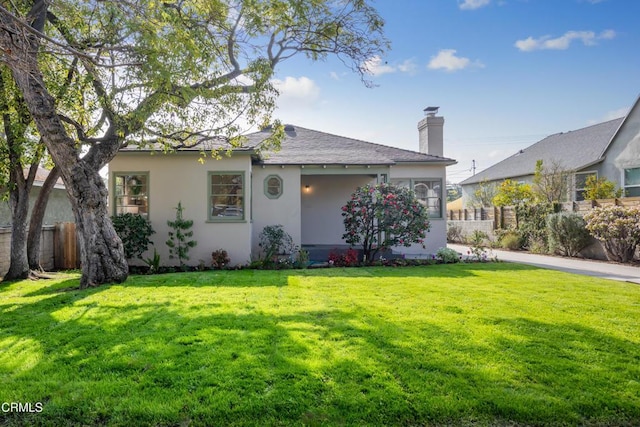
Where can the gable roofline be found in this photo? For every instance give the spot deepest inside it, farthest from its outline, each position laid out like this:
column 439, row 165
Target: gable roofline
column 586, row 143
column 624, row 121
column 303, row 146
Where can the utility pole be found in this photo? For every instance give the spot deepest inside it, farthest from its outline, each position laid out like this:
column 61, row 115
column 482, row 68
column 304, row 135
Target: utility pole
column 473, row 166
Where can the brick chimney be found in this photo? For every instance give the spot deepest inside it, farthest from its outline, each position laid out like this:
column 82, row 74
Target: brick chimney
column 430, row 132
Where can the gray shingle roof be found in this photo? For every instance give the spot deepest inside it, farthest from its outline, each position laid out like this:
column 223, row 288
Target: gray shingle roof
column 574, row 150
column 303, row 146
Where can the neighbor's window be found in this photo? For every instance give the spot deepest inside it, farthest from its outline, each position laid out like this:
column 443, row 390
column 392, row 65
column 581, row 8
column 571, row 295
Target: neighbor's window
column 273, row 186
column 632, row 182
column 226, row 196
column 580, row 184
column 131, row 191
column 428, row 192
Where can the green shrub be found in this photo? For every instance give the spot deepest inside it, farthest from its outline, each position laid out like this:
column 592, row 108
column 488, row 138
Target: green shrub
column 134, row 231
column 600, row 188
column 454, row 234
column 154, row 262
column 477, row 242
column 567, row 234
column 378, row 217
column 179, row 243
column 532, row 225
column 510, row 240
column 448, row 255
column 302, row 259
column 275, row 241
column 618, row 228
column 219, row 259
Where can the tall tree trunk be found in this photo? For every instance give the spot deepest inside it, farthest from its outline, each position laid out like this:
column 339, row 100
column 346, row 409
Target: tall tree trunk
column 37, row 218
column 19, row 202
column 101, row 252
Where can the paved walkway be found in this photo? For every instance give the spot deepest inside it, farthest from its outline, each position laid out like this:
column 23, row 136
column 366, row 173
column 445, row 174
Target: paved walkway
column 605, row 270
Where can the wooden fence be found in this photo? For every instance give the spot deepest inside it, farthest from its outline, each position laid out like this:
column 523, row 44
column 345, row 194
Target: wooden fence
column 66, row 251
column 505, row 216
column 58, row 248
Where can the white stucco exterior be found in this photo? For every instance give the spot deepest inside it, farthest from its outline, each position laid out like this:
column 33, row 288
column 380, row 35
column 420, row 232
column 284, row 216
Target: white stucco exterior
column 180, row 177
column 302, row 187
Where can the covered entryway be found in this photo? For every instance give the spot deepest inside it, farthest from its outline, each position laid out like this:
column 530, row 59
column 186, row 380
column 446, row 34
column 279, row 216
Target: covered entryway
column 324, row 192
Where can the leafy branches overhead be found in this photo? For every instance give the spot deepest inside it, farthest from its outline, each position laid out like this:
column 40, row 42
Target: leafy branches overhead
column 178, row 72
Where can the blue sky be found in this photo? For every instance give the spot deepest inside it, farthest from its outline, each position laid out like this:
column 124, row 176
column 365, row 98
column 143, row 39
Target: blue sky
column 505, row 74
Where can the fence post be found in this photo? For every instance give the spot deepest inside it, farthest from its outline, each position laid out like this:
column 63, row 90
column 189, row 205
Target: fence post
column 65, row 246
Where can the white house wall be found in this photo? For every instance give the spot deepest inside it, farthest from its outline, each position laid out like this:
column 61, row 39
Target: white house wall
column 322, row 222
column 437, row 236
column 180, row 177
column 284, row 210
column 624, row 151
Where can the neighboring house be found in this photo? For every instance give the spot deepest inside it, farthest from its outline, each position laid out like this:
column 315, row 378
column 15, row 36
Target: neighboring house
column 302, row 186
column 610, row 149
column 58, row 208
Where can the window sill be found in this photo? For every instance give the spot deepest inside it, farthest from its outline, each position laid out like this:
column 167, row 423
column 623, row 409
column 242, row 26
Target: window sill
column 225, row 221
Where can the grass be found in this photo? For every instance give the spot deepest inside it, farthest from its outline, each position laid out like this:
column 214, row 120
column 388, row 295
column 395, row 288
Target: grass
column 466, row 344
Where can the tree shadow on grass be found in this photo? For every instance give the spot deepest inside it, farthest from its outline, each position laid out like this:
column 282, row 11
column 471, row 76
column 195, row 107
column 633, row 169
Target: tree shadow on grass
column 280, row 278
column 100, row 363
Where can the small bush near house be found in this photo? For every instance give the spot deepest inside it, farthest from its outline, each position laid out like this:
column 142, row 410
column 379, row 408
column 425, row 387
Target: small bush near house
column 275, row 241
column 346, row 259
column 179, row 241
column 447, row 256
column 510, row 240
column 302, row 259
column 134, row 231
column 454, row 234
column 600, row 188
column 618, row 228
column 219, row 259
column 477, row 241
column 567, row 234
column 153, row 263
column 381, row 216
column 532, row 225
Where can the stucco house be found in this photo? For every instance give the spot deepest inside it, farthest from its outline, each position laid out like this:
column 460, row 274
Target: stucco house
column 610, row 149
column 58, row 207
column 302, row 186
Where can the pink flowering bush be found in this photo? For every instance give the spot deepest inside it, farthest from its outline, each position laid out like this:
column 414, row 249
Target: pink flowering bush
column 618, row 228
column 381, row 216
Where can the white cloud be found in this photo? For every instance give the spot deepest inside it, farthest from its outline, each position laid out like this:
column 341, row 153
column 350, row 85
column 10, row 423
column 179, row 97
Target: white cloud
column 610, row 115
column 334, row 76
column 376, row 67
column 588, row 38
column 298, row 91
column 447, row 60
column 473, row 4
column 408, row 66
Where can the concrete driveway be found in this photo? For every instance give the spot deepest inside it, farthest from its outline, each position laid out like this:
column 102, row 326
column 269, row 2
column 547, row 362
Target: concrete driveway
column 605, row 270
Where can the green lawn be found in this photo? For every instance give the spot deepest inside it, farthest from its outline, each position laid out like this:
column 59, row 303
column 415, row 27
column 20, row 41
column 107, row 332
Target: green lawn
column 466, row 344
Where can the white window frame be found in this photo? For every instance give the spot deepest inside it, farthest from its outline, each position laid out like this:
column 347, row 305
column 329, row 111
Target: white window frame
column 624, row 180
column 438, row 198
